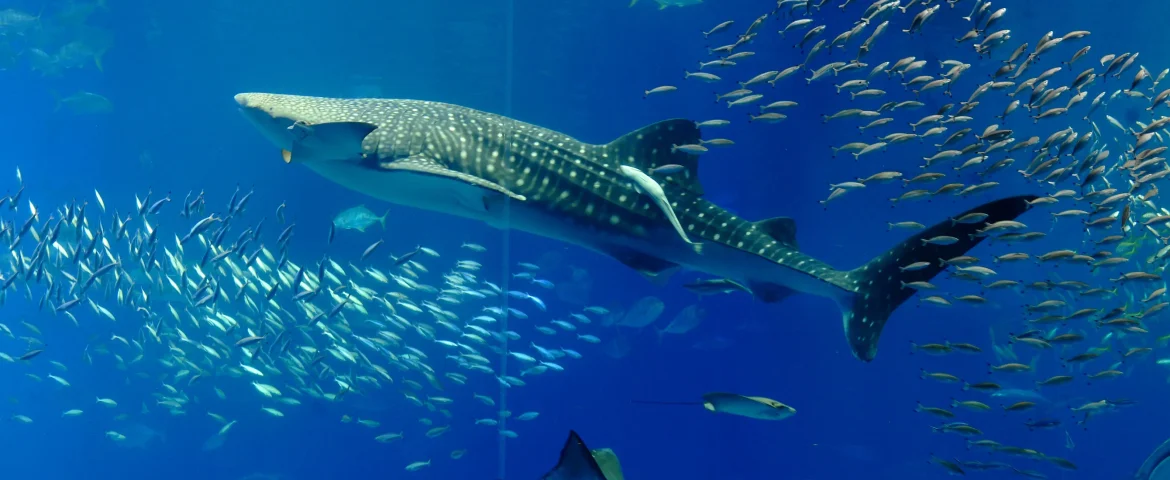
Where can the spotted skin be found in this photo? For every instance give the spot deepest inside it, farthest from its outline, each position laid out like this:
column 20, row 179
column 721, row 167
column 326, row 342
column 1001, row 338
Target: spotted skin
column 878, row 284
column 549, row 169
column 563, row 188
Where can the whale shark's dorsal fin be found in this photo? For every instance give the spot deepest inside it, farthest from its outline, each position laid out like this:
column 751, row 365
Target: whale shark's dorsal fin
column 781, row 229
column 651, row 146
column 576, row 462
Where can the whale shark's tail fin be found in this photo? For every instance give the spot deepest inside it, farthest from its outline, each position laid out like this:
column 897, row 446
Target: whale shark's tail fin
column 879, row 285
column 577, row 462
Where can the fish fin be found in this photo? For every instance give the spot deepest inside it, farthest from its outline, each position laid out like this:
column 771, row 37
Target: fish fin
column 328, row 141
column 661, row 278
column 576, row 462
column 429, row 166
column 611, row 467
column 781, row 229
column 877, row 285
column 769, row 292
column 97, row 61
column 655, row 269
column 649, row 147
column 382, row 219
column 764, row 400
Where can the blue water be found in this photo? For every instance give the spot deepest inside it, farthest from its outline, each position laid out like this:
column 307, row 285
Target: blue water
column 577, row 67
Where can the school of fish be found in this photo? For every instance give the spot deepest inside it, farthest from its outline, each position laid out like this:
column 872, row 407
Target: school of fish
column 219, row 312
column 1077, row 280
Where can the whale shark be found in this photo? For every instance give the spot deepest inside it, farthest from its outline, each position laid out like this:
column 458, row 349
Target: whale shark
column 515, row 175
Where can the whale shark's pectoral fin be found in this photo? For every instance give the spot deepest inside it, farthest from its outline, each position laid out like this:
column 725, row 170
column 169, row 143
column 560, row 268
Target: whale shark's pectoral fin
column 655, row 269
column 576, row 462
column 428, row 166
column 770, row 292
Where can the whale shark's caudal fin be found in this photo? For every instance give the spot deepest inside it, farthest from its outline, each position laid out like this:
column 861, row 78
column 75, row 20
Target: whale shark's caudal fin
column 878, row 285
column 577, row 462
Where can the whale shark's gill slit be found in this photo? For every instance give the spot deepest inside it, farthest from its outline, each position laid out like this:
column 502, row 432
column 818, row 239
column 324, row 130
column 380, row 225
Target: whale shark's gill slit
column 422, row 165
column 877, row 285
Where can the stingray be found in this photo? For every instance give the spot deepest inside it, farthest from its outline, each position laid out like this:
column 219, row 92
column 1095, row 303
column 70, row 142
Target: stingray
column 759, row 408
column 578, row 462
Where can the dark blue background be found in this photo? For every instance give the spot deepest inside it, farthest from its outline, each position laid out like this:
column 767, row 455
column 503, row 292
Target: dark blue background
column 577, row 67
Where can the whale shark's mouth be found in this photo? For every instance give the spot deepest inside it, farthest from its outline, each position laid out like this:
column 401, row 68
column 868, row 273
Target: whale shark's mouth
column 274, row 128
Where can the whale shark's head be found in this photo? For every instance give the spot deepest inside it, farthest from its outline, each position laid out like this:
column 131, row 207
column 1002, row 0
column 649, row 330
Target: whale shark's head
column 309, row 129
column 351, row 142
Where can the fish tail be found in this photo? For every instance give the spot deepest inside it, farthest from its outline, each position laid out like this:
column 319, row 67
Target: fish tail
column 382, row 219
column 876, row 286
